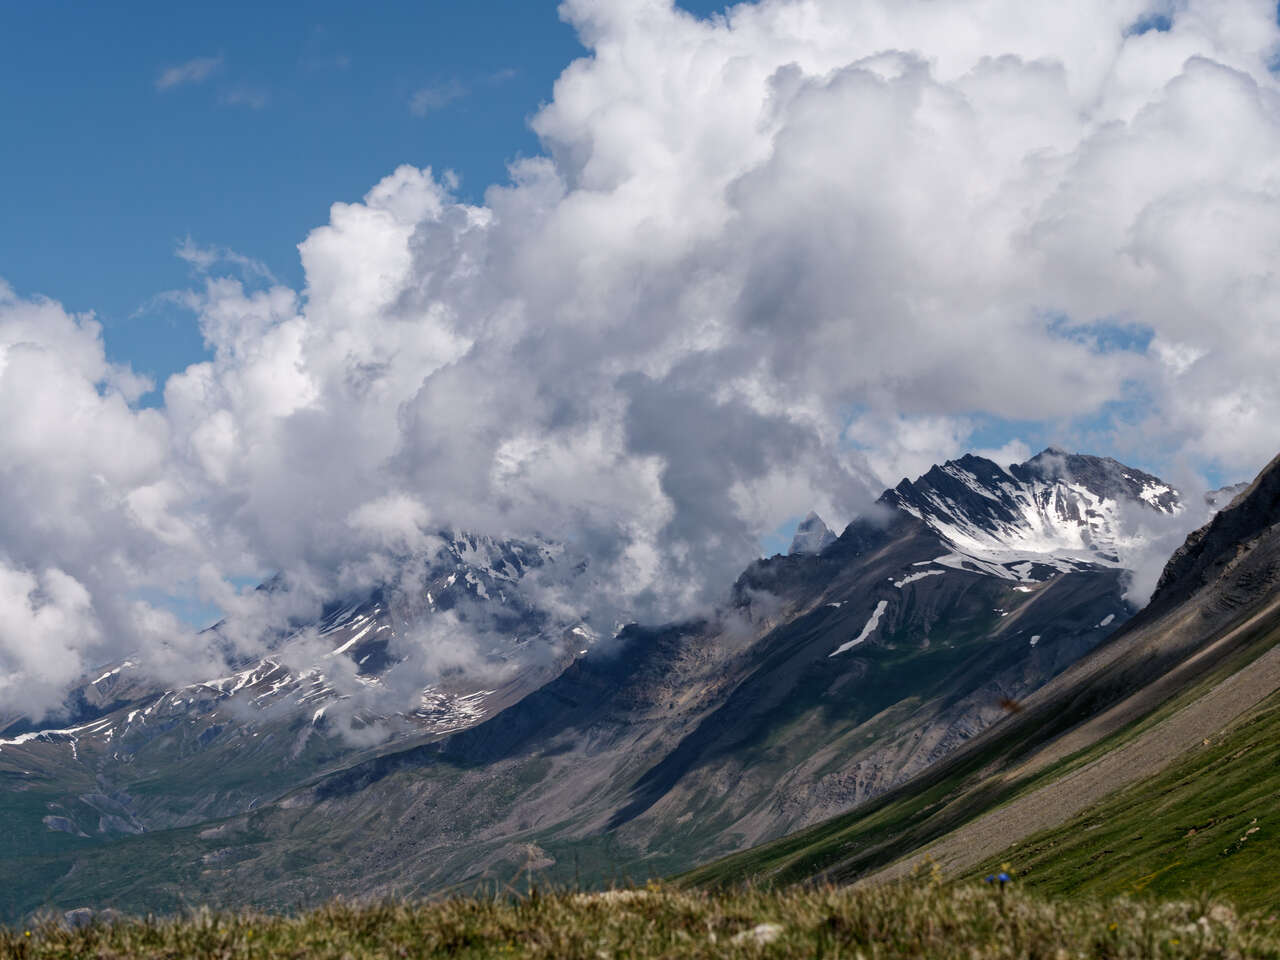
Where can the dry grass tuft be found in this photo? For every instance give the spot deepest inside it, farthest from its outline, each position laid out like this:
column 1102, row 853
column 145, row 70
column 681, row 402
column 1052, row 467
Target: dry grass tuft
column 920, row 918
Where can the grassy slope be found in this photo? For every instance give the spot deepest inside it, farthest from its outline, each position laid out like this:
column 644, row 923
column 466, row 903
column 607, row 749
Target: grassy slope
column 901, row 920
column 1209, row 822
column 943, row 799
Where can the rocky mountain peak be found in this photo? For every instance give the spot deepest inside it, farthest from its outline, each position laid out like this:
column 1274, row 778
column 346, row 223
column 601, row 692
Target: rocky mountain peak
column 1104, row 476
column 1055, row 512
column 812, row 536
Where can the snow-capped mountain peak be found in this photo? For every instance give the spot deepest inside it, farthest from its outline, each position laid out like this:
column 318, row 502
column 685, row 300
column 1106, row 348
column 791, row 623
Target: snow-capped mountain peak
column 295, row 677
column 1052, row 513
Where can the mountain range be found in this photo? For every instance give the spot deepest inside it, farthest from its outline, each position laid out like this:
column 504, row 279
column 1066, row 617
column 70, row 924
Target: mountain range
column 977, row 615
column 1147, row 767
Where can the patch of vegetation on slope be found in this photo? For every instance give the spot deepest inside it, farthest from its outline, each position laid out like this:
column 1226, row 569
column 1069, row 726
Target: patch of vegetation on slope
column 915, row 919
column 1209, row 822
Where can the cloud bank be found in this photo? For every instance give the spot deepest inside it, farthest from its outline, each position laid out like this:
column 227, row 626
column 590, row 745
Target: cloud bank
column 765, row 262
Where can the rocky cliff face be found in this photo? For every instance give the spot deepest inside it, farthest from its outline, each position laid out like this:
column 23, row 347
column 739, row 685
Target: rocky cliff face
column 812, row 536
column 1229, row 548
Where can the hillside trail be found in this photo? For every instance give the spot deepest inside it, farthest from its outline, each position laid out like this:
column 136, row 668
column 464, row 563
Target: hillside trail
column 1142, row 757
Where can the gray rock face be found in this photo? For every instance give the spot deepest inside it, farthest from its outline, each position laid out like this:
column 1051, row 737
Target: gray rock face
column 1226, row 542
column 1200, row 665
column 1103, row 476
column 812, row 536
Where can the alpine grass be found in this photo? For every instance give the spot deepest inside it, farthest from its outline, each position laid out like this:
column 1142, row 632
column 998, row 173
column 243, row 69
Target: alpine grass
column 919, row 918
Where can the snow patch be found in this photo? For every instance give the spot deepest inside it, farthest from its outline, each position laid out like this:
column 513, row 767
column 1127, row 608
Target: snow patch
column 352, row 642
column 866, row 630
column 111, row 673
column 913, row 577
column 1152, row 493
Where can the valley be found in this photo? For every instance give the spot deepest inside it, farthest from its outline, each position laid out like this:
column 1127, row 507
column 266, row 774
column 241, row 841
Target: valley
column 835, row 676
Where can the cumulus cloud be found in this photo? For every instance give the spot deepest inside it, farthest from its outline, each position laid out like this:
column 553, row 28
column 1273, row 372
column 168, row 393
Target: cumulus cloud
column 767, row 262
column 47, row 627
column 88, row 520
column 196, row 70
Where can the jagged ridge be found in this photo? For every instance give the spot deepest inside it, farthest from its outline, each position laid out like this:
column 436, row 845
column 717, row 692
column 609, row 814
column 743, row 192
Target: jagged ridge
column 1053, row 513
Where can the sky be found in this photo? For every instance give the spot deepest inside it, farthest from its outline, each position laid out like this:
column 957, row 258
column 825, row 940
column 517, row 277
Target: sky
column 271, row 112
column 289, row 294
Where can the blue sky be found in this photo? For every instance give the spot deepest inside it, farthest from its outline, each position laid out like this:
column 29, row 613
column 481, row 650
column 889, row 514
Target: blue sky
column 282, row 110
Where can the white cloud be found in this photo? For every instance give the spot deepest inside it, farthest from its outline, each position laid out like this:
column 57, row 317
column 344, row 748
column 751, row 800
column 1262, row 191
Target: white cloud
column 87, row 522
column 900, row 447
column 196, row 70
column 205, row 259
column 1011, row 452
column 649, row 342
column 428, row 100
column 47, row 628
column 397, row 522
column 243, row 96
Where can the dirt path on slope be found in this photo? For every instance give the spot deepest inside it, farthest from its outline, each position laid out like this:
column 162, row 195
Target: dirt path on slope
column 1061, row 799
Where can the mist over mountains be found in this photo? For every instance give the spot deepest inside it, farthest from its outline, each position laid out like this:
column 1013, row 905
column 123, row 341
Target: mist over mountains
column 480, row 612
